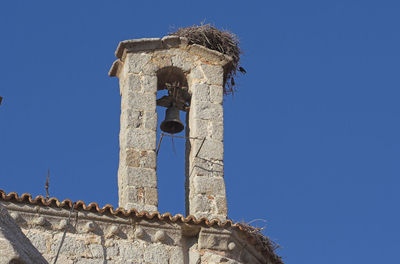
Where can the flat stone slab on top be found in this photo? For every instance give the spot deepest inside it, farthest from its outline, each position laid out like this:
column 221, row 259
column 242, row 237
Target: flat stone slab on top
column 167, row 42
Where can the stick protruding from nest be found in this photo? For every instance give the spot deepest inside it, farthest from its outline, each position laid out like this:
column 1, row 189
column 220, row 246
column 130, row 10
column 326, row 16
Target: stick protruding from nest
column 223, row 41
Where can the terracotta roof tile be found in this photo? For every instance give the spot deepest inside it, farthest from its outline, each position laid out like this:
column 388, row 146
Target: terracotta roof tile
column 253, row 234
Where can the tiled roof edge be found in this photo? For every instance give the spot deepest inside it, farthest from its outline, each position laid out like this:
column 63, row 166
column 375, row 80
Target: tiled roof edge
column 254, row 237
column 94, row 207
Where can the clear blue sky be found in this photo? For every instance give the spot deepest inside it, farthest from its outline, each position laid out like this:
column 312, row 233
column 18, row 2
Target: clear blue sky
column 312, row 139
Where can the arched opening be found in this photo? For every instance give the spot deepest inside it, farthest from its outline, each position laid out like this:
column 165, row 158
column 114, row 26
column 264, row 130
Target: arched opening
column 172, row 91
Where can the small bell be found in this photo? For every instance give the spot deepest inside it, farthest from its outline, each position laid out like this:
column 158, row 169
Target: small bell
column 172, row 124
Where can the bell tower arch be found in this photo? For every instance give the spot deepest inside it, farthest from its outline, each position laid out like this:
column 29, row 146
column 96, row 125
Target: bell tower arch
column 194, row 78
column 173, row 81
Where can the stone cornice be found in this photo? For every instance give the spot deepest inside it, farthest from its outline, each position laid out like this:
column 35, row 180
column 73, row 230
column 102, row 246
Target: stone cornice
column 50, row 213
column 167, row 42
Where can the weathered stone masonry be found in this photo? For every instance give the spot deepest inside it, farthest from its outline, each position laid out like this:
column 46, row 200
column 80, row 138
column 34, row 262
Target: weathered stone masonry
column 141, row 65
column 105, row 235
column 31, row 230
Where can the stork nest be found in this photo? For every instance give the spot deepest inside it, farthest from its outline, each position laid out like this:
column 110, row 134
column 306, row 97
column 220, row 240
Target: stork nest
column 268, row 244
column 223, row 41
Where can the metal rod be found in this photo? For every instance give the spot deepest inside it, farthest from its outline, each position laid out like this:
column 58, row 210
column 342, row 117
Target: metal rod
column 182, row 136
column 204, row 139
column 159, row 143
column 191, row 170
column 46, row 186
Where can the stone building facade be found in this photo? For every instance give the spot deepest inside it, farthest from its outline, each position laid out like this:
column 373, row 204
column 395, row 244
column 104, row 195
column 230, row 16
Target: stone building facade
column 136, row 232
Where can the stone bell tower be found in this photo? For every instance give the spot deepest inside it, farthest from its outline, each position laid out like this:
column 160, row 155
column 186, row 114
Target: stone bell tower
column 145, row 66
column 47, row 230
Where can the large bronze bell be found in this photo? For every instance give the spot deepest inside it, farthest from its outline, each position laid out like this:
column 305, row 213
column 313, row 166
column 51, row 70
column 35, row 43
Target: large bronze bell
column 172, row 124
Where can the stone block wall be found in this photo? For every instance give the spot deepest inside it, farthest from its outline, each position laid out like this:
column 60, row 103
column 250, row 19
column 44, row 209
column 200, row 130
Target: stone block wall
column 14, row 246
column 94, row 237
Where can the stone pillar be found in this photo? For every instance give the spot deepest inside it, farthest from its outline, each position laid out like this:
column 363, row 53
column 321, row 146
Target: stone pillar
column 137, row 180
column 205, row 149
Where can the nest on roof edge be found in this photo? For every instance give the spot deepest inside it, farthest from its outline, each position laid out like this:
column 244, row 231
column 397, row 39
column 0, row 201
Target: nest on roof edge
column 268, row 244
column 215, row 39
